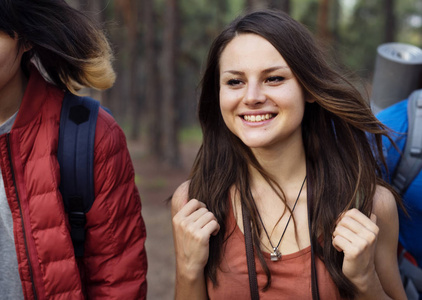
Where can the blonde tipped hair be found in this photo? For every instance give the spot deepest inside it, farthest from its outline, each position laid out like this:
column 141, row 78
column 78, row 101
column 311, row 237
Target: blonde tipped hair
column 69, row 48
column 96, row 72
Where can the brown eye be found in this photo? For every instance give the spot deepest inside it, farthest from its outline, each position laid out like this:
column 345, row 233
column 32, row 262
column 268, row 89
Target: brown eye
column 275, row 79
column 234, row 82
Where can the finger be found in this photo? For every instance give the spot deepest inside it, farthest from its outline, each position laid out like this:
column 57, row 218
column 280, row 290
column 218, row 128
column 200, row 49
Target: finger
column 352, row 246
column 205, row 218
column 340, row 243
column 345, row 233
column 361, row 219
column 212, row 227
column 356, row 232
column 190, row 207
column 351, row 242
column 358, row 228
column 197, row 214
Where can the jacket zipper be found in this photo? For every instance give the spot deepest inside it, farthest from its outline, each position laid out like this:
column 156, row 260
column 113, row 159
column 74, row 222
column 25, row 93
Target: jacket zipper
column 21, row 214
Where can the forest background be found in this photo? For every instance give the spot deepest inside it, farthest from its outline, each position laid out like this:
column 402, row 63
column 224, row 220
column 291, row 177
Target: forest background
column 160, row 50
column 161, row 47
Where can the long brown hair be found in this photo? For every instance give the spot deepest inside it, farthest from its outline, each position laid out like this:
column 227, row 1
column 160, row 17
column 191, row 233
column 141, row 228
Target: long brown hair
column 341, row 136
column 68, row 46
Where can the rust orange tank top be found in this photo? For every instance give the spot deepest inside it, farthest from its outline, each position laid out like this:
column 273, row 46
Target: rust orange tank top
column 291, row 276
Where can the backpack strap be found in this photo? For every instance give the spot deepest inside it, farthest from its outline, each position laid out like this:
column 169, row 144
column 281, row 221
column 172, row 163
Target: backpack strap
column 76, row 159
column 250, row 259
column 410, row 163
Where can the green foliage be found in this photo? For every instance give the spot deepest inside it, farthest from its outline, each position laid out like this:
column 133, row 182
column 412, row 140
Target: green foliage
column 363, row 32
column 306, row 13
column 191, row 134
column 358, row 29
column 362, row 35
column 409, row 16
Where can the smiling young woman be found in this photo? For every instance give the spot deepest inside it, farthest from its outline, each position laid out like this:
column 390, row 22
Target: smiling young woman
column 285, row 199
column 261, row 100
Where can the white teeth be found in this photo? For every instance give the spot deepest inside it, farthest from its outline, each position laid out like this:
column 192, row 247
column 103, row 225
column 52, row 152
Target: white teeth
column 257, row 118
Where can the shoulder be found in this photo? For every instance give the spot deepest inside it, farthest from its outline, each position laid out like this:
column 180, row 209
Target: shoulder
column 180, row 197
column 384, row 201
column 105, row 123
column 109, row 137
column 385, row 208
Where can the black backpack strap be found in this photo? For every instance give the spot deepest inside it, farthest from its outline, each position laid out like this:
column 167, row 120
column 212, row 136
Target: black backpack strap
column 310, row 203
column 76, row 159
column 410, row 163
column 250, row 259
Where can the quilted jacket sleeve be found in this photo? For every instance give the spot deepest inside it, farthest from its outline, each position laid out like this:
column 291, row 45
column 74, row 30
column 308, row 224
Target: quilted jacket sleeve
column 115, row 261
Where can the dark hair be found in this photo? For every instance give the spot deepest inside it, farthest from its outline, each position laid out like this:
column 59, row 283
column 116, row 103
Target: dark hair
column 69, row 46
column 341, row 136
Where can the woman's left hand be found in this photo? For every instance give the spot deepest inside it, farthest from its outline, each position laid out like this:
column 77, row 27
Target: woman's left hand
column 356, row 236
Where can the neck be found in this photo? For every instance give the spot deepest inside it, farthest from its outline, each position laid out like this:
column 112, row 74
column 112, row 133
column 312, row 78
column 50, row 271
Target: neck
column 286, row 166
column 11, row 96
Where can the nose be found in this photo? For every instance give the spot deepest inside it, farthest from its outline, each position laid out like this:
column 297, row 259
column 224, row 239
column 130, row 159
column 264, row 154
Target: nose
column 254, row 94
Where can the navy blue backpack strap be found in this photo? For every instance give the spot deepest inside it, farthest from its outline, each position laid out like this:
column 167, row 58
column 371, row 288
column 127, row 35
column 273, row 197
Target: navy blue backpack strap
column 76, row 158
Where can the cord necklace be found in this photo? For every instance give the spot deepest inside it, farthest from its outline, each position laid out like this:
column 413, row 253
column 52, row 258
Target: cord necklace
column 276, row 254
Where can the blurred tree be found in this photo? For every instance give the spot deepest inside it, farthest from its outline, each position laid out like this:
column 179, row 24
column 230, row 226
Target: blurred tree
column 130, row 11
column 283, row 5
column 335, row 35
column 390, row 21
column 256, row 4
column 152, row 87
column 170, row 141
column 307, row 15
column 176, row 35
column 362, row 35
column 323, row 31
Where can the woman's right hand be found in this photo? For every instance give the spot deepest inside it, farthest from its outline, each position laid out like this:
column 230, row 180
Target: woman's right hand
column 193, row 225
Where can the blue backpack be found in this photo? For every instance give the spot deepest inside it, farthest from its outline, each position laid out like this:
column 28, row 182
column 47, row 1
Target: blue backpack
column 75, row 154
column 410, row 163
column 408, row 168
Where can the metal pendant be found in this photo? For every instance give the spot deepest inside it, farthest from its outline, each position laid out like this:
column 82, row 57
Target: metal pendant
column 276, row 255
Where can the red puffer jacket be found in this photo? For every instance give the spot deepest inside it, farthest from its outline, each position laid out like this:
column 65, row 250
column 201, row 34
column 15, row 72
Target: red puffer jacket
column 114, row 264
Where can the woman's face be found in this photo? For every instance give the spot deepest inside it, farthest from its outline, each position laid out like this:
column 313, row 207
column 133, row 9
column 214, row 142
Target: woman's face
column 261, row 100
column 10, row 71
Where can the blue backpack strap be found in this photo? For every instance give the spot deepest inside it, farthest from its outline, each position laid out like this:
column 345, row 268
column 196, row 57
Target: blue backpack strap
column 410, row 163
column 76, row 159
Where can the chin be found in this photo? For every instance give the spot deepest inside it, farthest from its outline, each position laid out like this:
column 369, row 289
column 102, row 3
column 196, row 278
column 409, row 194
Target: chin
column 256, row 145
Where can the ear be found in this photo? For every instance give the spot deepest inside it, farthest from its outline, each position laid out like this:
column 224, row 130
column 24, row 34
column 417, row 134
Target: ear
column 310, row 100
column 26, row 46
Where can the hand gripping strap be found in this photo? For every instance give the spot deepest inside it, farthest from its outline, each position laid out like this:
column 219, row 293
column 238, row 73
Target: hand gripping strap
column 76, row 158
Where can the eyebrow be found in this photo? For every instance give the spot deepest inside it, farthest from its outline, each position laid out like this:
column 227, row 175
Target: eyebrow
column 269, row 70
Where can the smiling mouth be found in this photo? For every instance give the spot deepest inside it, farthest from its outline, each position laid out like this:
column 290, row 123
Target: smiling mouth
column 258, row 118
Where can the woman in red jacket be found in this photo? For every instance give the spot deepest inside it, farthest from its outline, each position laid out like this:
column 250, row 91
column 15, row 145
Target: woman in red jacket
column 48, row 48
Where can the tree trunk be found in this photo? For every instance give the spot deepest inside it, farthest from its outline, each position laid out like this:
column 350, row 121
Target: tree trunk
column 283, row 5
column 336, row 24
column 169, row 111
column 131, row 11
column 153, row 101
column 256, row 4
column 323, row 31
column 390, row 21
